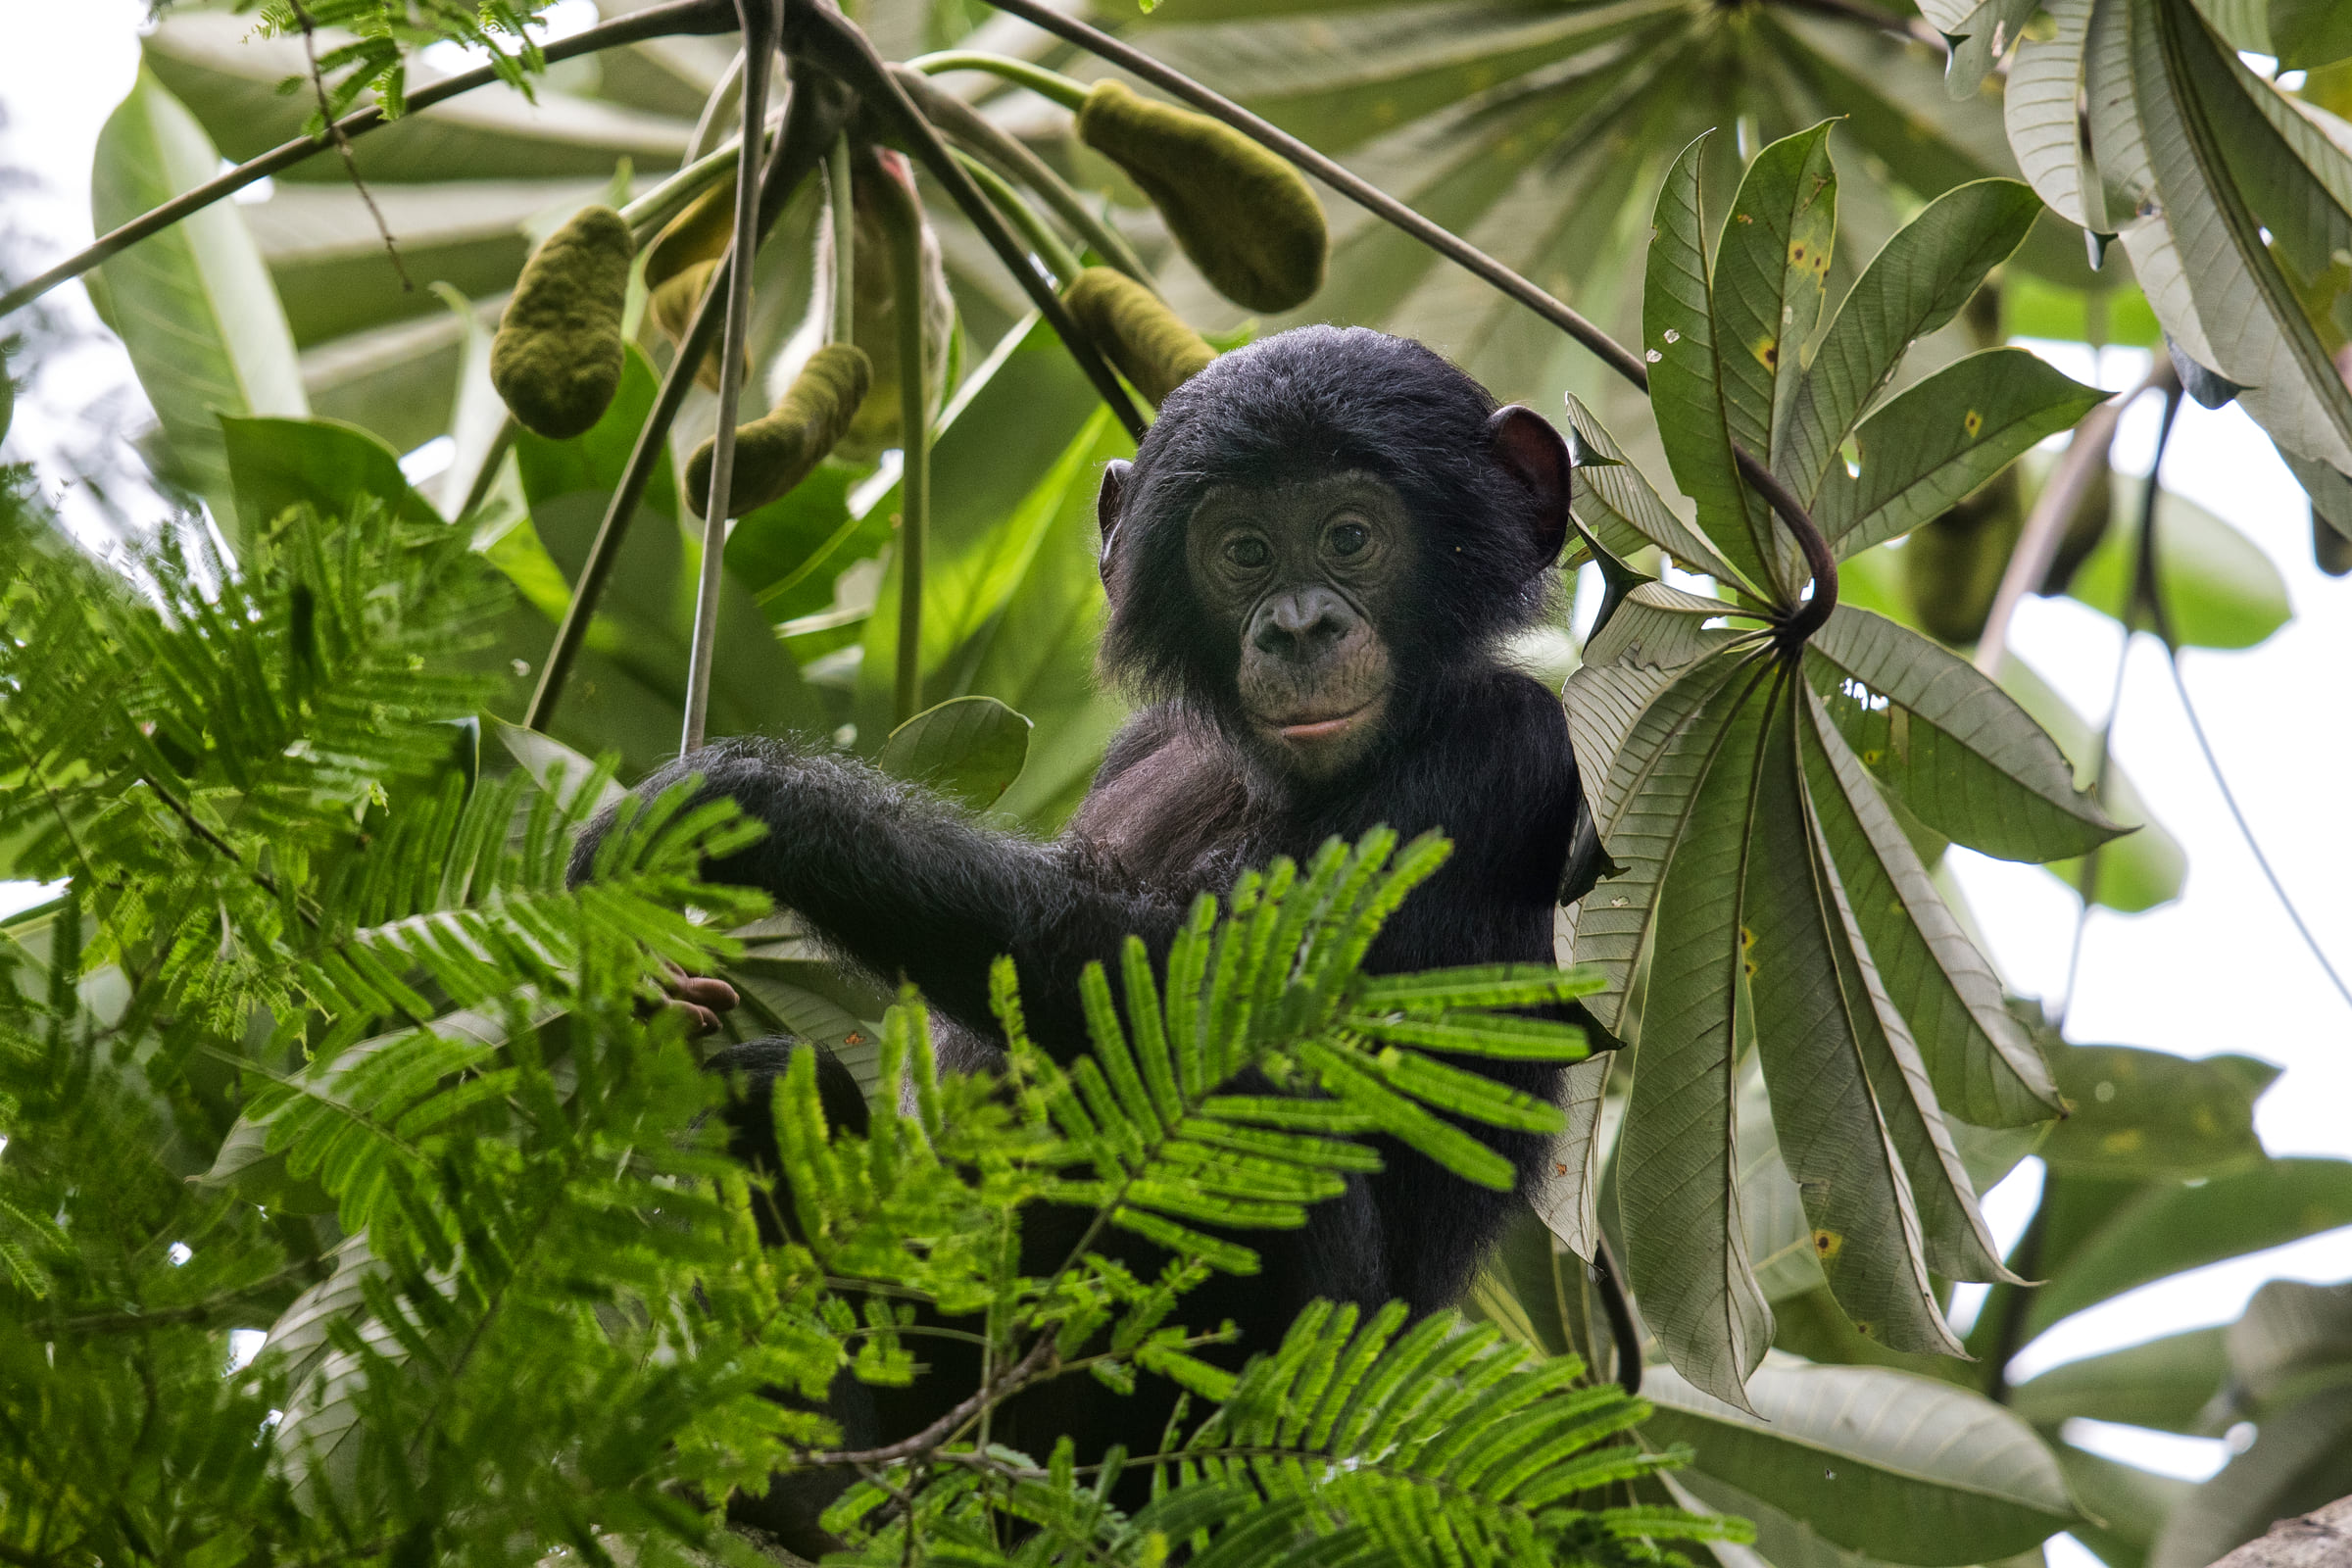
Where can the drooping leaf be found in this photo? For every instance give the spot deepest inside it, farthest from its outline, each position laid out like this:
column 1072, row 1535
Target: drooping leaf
column 1898, row 1467
column 1814, row 1040
column 2144, row 868
column 1985, row 1068
column 1959, row 751
column 2300, row 1461
column 1678, row 1191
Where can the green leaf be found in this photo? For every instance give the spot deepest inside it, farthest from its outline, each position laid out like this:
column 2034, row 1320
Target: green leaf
column 1898, row 1467
column 2165, row 1384
column 193, row 305
column 1933, row 444
column 2201, row 250
column 1615, row 503
column 1772, row 267
column 231, row 80
column 1959, row 751
column 1913, row 286
column 1677, row 1190
column 1816, row 1027
column 2169, row 1229
column 2132, row 1502
column 2147, row 1113
column 2309, row 33
column 2138, row 872
column 277, row 464
column 971, row 748
column 1678, row 339
column 1643, row 812
column 1984, row 1067
column 2220, row 590
column 1568, row 1181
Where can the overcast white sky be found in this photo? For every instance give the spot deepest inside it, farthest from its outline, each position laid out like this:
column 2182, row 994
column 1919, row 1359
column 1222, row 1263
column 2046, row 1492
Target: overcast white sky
column 2222, row 970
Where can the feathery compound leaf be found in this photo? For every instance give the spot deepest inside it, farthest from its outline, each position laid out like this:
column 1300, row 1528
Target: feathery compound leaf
column 1459, row 1449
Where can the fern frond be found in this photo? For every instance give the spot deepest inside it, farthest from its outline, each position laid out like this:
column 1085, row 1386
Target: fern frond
column 1445, row 1438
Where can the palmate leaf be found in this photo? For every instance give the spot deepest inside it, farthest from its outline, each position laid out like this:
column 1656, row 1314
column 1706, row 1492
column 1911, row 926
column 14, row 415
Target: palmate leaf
column 1615, row 503
column 1961, row 753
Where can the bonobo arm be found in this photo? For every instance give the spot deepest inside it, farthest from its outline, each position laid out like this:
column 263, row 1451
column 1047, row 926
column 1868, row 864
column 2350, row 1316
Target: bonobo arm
column 903, row 883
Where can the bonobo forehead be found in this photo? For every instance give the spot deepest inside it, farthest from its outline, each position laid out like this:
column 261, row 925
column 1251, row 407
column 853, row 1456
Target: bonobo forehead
column 1295, row 501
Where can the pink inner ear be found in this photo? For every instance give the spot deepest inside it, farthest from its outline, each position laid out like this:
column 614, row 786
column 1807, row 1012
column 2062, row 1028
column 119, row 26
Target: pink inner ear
column 1525, row 443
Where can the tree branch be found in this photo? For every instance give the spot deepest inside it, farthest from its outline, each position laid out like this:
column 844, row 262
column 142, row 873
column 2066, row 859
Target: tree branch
column 1040, row 1357
column 654, row 21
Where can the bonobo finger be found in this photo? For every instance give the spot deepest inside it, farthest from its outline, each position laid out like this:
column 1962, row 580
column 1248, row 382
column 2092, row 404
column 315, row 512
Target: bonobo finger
column 705, row 991
column 700, row 1021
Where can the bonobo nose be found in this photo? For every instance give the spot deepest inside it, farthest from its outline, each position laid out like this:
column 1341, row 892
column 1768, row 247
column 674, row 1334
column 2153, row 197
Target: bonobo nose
column 1302, row 628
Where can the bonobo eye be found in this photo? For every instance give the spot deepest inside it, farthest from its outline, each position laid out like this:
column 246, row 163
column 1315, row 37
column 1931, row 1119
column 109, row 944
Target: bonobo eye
column 1348, row 538
column 1248, row 553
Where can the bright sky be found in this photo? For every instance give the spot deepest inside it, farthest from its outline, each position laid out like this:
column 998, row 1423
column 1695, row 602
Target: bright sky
column 2222, row 970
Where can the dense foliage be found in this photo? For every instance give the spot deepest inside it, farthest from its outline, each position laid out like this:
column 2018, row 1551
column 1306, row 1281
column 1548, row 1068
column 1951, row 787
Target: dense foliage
column 314, row 1040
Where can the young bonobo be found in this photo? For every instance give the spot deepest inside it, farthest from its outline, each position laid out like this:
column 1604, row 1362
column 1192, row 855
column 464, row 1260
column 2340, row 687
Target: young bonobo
column 1311, row 564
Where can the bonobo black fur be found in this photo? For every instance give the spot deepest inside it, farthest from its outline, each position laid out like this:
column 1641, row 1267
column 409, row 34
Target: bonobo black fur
column 1311, row 564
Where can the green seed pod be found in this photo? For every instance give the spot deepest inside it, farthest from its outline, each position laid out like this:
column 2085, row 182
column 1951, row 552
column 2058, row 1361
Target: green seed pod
column 1952, row 566
column 1149, row 343
column 672, row 306
column 696, row 235
column 558, row 356
column 1246, row 217
column 775, row 452
column 2330, row 549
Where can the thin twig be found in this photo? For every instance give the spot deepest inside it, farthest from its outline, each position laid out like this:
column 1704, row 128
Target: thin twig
column 1806, row 619
column 850, row 53
column 841, row 200
column 171, row 1316
column 677, row 16
column 342, row 140
column 1040, row 1357
column 759, row 18
column 902, row 217
column 812, row 123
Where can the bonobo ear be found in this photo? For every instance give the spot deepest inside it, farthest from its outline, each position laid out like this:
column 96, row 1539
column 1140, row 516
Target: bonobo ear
column 1532, row 451
column 1107, row 502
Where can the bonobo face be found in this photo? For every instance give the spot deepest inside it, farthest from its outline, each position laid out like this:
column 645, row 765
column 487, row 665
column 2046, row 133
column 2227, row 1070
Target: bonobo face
column 1300, row 575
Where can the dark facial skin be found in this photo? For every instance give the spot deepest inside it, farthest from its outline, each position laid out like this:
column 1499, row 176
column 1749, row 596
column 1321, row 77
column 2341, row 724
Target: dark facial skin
column 1299, row 575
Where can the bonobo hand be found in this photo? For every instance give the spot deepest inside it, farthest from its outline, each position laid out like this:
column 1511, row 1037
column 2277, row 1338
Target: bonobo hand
column 702, row 998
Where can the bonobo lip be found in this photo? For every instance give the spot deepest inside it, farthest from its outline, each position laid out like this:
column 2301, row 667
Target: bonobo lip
column 1321, row 730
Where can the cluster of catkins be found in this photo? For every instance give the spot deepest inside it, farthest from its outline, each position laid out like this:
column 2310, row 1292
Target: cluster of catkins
column 1246, row 217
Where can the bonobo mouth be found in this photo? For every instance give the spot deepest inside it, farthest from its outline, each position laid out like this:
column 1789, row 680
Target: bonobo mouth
column 1318, row 728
